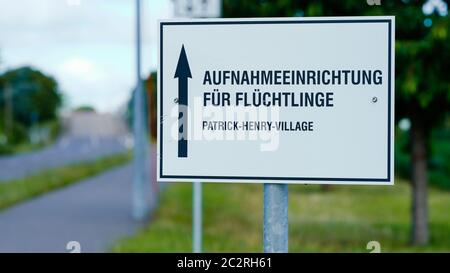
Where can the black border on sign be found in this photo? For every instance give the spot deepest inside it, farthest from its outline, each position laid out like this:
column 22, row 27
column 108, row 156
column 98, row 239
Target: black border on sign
column 243, row 178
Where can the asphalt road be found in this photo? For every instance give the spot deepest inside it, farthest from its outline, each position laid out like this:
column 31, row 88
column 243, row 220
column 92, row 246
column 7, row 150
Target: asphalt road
column 65, row 151
column 87, row 136
column 94, row 212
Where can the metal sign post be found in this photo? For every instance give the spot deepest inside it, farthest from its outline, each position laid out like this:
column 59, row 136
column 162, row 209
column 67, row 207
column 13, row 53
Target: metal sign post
column 193, row 9
column 275, row 218
column 140, row 205
column 183, row 73
column 197, row 218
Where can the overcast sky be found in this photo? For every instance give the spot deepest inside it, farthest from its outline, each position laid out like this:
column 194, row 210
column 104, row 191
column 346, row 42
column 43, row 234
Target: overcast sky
column 87, row 45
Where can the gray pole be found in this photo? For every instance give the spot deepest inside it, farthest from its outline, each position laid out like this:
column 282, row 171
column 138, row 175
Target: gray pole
column 140, row 136
column 197, row 218
column 275, row 218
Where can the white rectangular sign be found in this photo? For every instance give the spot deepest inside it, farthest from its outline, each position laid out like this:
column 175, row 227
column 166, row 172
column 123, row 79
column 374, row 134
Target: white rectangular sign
column 277, row 100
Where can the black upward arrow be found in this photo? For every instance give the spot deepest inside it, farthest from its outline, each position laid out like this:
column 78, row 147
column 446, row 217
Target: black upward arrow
column 183, row 72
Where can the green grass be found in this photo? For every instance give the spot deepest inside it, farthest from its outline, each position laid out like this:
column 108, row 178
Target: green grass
column 343, row 219
column 15, row 191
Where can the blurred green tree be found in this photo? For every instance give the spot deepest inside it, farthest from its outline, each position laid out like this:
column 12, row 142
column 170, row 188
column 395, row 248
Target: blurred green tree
column 422, row 67
column 34, row 95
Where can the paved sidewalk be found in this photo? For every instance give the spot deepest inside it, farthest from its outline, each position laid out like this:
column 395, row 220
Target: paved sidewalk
column 94, row 212
column 67, row 150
